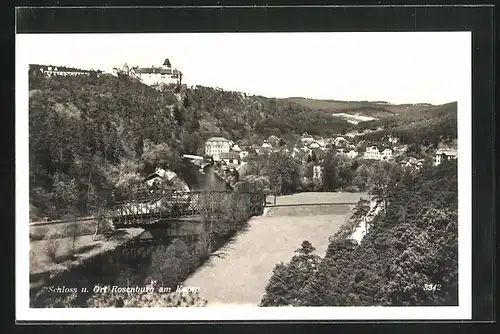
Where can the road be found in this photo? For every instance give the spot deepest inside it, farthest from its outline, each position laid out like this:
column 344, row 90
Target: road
column 238, row 273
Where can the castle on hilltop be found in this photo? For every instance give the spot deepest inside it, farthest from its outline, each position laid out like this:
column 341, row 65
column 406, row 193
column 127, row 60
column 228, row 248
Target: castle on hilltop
column 154, row 75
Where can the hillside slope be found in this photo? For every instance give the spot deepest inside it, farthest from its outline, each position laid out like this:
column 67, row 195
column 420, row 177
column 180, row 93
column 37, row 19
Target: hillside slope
column 376, row 109
column 91, row 136
column 429, row 125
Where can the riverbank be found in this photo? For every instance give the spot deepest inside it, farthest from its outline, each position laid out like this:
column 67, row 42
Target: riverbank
column 51, row 257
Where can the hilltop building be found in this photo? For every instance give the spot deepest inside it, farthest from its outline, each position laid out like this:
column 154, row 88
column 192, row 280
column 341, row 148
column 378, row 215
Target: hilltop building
column 50, row 70
column 216, row 146
column 444, row 155
column 154, row 75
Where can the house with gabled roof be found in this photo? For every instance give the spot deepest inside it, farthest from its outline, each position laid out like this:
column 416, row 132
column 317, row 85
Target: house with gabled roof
column 445, row 154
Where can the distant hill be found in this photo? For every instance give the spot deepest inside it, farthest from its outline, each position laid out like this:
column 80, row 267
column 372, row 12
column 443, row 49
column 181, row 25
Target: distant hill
column 427, row 124
column 375, row 109
column 411, row 123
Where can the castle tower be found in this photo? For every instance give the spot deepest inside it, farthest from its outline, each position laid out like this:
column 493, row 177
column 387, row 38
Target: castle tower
column 166, row 63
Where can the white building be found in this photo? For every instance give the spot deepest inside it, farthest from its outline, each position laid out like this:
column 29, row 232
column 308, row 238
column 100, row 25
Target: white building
column 373, row 153
column 243, row 154
column 159, row 176
column 445, row 154
column 386, row 154
column 314, row 144
column 352, row 154
column 306, row 138
column 153, row 75
column 339, row 141
column 317, row 172
column 266, row 144
column 215, row 146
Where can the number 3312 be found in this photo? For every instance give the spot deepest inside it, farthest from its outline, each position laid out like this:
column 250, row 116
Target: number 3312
column 432, row 287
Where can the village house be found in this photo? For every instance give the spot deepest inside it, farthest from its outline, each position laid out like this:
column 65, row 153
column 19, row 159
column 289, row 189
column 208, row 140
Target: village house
column 338, row 141
column 317, row 172
column 216, row 146
column 386, row 154
column 243, row 154
column 373, row 153
column 266, row 144
column 412, row 162
column 158, row 176
column 315, row 145
column 306, row 138
column 352, row 154
column 445, row 154
column 230, row 158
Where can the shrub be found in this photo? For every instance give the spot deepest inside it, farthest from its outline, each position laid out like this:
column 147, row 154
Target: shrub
column 51, row 247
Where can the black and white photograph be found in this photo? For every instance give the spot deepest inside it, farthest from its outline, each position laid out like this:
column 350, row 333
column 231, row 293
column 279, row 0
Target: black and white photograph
column 244, row 175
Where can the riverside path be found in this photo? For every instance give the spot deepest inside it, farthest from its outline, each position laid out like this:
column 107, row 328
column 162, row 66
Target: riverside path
column 237, row 274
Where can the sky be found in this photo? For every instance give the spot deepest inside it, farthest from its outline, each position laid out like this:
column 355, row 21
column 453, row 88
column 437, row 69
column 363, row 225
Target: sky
column 397, row 67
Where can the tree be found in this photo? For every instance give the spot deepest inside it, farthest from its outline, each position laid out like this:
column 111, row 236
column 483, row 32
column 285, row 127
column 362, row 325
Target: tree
column 313, row 156
column 330, row 172
column 287, row 281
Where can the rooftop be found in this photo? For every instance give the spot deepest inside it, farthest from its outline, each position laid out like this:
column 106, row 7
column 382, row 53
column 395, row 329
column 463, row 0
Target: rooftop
column 447, row 151
column 230, row 155
column 218, row 139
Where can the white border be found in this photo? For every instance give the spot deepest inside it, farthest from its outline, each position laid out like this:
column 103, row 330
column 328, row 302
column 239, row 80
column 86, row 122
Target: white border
column 461, row 312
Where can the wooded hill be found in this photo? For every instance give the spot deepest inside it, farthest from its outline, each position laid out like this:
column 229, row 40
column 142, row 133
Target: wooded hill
column 408, row 258
column 429, row 125
column 364, row 108
column 421, row 123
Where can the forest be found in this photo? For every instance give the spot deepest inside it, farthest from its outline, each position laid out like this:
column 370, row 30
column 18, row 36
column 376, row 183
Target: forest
column 427, row 126
column 409, row 257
